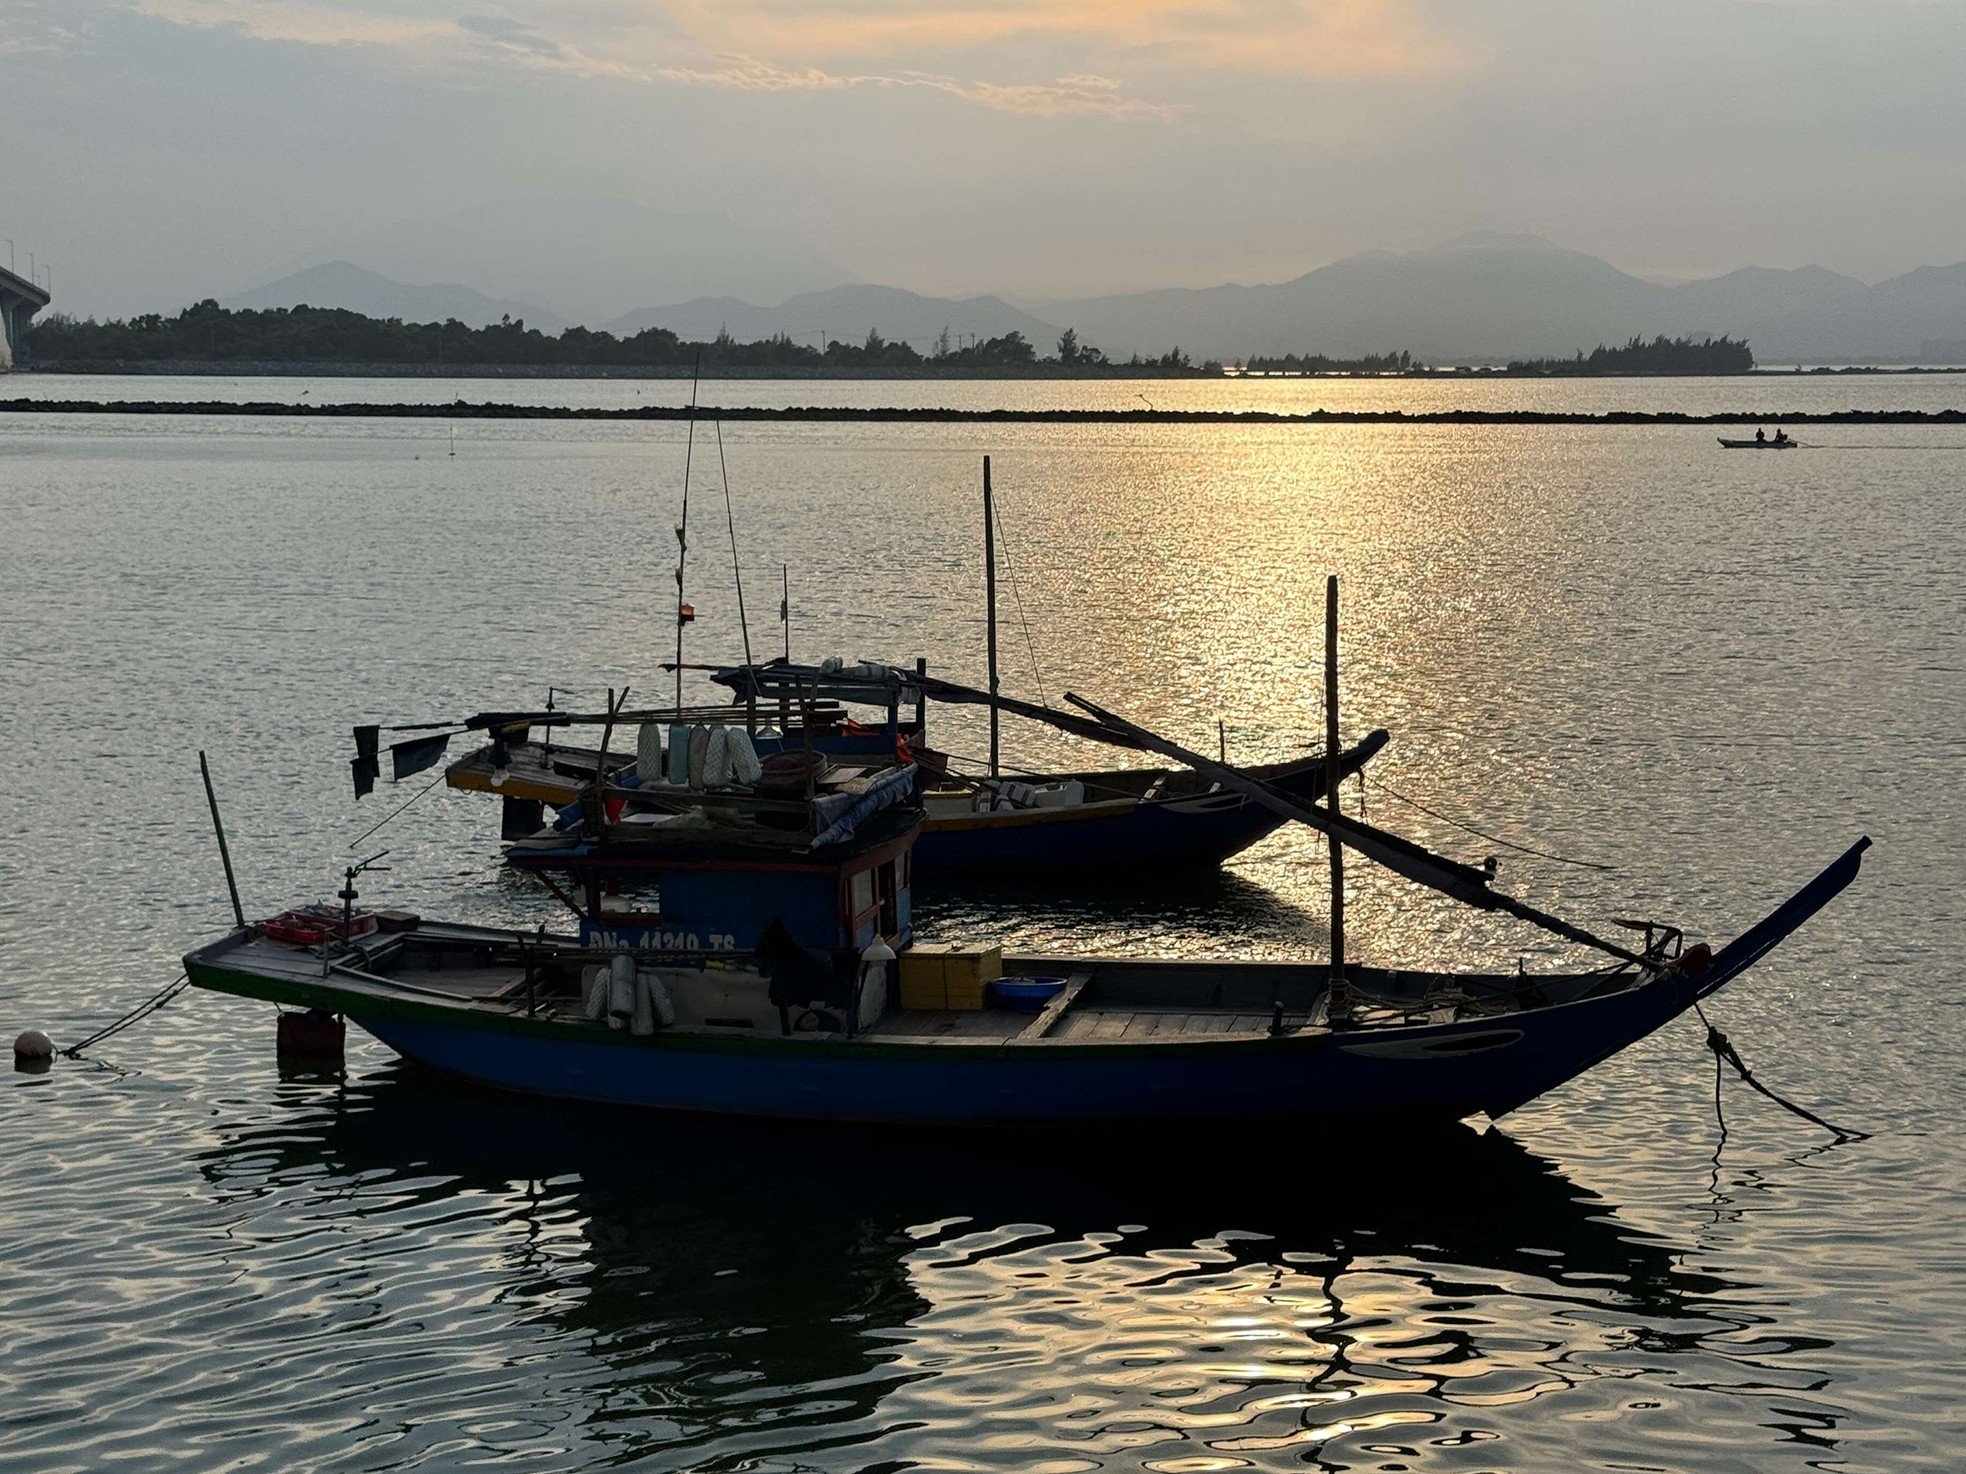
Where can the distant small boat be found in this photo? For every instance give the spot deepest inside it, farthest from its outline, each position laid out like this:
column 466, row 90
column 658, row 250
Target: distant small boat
column 1727, row 444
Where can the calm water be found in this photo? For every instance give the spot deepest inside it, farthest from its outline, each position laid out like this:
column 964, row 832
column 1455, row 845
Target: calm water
column 1709, row 671
column 1760, row 393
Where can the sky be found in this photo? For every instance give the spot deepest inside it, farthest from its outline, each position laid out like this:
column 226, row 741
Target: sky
column 162, row 150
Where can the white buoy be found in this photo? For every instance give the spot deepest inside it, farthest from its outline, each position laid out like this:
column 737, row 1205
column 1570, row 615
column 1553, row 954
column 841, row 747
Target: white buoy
column 871, row 997
column 621, row 991
column 655, row 992
column 34, row 1045
column 598, row 980
column 643, row 1022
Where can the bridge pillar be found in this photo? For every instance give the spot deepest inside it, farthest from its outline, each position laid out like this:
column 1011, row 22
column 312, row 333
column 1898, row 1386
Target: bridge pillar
column 20, row 299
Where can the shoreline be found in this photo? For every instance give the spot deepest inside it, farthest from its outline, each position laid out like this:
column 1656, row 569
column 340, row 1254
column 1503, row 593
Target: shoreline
column 461, row 410
column 293, row 369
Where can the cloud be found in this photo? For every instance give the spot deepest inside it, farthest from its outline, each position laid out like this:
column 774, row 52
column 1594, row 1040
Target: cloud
column 1040, row 58
column 326, row 24
column 511, row 35
column 1311, row 38
column 1067, row 96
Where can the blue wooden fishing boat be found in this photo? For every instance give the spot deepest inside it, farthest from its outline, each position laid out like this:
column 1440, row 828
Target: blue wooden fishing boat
column 781, row 1032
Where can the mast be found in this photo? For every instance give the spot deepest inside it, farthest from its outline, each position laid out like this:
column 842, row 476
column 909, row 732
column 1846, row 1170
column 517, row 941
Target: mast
column 785, row 606
column 990, row 596
column 1339, row 994
column 683, row 614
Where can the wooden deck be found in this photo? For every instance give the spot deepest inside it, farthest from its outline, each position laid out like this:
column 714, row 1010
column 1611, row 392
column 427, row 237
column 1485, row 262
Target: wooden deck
column 1091, row 1025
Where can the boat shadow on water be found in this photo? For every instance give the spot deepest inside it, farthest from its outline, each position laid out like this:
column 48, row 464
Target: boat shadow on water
column 785, row 1286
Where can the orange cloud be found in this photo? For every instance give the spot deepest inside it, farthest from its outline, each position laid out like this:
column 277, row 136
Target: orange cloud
column 1323, row 38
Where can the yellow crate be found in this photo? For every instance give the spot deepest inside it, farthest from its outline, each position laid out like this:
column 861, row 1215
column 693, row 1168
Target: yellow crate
column 923, row 983
column 967, row 973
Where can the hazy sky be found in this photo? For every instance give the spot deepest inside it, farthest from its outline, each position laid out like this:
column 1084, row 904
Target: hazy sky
column 167, row 149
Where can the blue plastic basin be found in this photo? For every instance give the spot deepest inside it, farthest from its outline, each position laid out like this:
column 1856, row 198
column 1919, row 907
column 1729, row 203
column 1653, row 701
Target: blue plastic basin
column 1026, row 995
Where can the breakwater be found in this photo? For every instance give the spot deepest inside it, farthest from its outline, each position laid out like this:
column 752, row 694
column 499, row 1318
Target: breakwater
column 463, row 410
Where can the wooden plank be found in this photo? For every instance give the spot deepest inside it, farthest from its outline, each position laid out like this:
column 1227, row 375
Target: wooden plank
column 1055, row 1009
column 1106, row 1025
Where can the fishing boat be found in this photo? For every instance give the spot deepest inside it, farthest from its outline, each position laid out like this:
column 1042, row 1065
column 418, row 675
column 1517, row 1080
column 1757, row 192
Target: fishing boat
column 798, row 990
column 995, row 821
column 1727, row 444
column 783, row 1030
column 1091, row 823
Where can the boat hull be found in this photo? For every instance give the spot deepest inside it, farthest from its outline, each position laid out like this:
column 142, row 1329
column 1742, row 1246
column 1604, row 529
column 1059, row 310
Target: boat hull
column 1096, row 840
column 1105, row 841
column 1444, row 1074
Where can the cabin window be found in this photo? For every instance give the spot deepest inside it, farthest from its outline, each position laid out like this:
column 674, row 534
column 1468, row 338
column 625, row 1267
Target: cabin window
column 886, row 880
column 860, row 893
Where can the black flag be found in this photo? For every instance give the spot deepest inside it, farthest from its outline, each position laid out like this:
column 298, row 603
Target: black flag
column 366, row 766
column 412, row 757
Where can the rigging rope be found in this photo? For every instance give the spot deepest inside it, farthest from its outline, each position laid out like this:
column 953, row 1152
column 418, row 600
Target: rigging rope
column 730, row 520
column 1507, row 844
column 1017, row 596
column 149, row 1006
column 1723, row 1049
column 397, row 810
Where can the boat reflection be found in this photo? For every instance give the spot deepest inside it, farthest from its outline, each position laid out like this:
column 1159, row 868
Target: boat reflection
column 737, row 1288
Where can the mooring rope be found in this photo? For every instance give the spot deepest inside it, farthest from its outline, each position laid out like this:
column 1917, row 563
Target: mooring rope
column 1507, row 844
column 1723, row 1049
column 149, row 1006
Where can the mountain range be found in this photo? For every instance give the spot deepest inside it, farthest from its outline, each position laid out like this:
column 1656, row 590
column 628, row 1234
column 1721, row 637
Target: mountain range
column 1479, row 298
column 340, row 284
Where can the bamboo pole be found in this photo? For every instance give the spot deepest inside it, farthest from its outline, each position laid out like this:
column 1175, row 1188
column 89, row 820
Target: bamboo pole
column 1339, row 996
column 990, row 596
column 224, row 854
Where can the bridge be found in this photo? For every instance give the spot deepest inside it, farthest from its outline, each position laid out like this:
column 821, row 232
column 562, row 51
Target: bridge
column 20, row 299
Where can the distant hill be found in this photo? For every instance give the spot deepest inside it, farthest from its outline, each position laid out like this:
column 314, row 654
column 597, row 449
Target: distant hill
column 846, row 313
column 340, row 284
column 1887, row 323
column 1481, row 298
column 593, row 260
column 1488, row 297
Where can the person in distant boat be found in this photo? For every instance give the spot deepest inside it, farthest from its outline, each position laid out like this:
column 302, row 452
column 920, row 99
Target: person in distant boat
column 1760, row 435
column 1781, row 436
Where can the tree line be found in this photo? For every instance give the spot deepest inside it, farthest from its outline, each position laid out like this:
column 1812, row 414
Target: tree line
column 205, row 332
column 1662, row 355
column 1318, row 363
